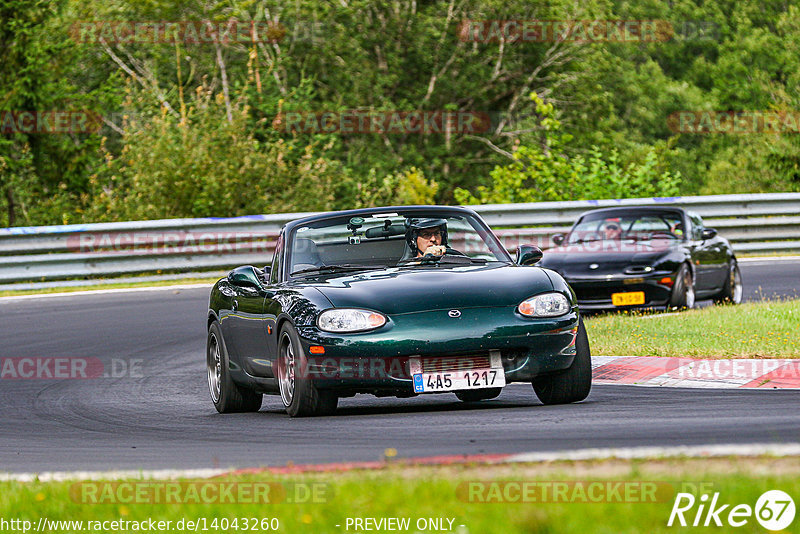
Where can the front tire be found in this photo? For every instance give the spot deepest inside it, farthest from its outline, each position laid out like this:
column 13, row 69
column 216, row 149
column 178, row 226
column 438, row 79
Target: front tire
column 570, row 385
column 477, row 395
column 683, row 295
column 300, row 396
column 226, row 395
column 733, row 290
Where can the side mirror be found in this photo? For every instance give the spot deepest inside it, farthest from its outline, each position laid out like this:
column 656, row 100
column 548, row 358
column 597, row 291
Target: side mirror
column 528, row 254
column 244, row 276
column 267, row 270
column 708, row 233
column 558, row 239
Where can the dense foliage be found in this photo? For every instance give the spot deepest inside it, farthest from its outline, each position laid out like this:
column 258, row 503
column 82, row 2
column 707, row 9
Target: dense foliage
column 195, row 127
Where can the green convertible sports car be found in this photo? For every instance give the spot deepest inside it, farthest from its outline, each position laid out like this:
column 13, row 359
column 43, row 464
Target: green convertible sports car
column 396, row 301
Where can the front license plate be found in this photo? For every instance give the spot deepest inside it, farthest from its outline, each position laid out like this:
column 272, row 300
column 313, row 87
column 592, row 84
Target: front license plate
column 455, row 373
column 456, row 380
column 627, row 299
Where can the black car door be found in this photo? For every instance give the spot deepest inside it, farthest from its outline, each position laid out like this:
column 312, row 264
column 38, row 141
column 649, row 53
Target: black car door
column 703, row 256
column 718, row 253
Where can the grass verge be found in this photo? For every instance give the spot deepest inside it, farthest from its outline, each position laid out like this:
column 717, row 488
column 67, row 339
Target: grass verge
column 597, row 496
column 767, row 329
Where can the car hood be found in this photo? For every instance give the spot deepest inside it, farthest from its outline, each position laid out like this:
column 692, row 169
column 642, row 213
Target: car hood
column 414, row 289
column 572, row 262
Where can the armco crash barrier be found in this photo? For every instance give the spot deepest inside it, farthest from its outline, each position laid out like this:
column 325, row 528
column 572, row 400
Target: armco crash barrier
column 764, row 223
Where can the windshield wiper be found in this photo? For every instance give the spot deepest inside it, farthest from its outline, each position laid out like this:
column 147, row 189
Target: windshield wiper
column 336, row 268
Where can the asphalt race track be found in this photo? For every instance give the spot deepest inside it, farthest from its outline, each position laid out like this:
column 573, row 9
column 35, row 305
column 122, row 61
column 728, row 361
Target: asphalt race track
column 161, row 417
column 773, row 278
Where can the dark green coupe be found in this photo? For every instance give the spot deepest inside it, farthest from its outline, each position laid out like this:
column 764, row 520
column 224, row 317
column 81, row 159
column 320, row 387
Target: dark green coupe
column 396, row 301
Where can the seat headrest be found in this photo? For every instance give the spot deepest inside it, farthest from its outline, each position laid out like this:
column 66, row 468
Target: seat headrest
column 305, row 251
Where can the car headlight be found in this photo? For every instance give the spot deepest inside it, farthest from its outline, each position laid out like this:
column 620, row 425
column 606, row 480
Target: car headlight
column 546, row 305
column 349, row 320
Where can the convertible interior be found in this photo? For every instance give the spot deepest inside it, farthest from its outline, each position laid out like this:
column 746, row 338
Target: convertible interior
column 308, row 254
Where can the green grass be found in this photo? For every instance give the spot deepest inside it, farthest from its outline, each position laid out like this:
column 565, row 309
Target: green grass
column 766, row 329
column 433, row 492
column 110, row 285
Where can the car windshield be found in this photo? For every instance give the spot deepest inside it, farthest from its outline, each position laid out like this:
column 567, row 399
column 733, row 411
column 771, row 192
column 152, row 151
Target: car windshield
column 634, row 225
column 379, row 241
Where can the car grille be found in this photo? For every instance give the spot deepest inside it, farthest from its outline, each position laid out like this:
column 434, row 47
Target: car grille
column 455, row 363
column 599, row 292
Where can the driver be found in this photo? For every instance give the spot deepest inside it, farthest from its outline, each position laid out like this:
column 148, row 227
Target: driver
column 612, row 229
column 427, row 236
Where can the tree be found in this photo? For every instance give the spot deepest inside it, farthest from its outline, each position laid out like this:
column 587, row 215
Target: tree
column 543, row 172
column 43, row 166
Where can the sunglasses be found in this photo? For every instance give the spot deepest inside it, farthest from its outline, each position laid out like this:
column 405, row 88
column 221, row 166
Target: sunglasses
column 429, row 234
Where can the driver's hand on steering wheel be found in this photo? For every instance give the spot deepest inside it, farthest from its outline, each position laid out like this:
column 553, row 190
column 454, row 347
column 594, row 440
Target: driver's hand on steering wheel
column 435, row 250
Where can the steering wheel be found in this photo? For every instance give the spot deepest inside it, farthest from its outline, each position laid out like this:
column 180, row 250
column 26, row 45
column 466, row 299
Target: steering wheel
column 663, row 233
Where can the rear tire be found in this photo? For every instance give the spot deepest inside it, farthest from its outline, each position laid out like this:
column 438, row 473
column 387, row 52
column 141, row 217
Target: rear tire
column 683, row 295
column 477, row 395
column 227, row 396
column 300, row 396
column 570, row 385
column 733, row 290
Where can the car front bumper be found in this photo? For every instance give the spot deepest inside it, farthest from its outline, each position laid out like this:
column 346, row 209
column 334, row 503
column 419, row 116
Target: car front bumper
column 595, row 293
column 378, row 361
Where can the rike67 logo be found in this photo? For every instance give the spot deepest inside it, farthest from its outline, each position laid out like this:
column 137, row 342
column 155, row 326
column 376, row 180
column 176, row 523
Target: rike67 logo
column 774, row 510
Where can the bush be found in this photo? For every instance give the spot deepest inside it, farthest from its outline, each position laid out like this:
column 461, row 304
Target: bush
column 201, row 165
column 545, row 173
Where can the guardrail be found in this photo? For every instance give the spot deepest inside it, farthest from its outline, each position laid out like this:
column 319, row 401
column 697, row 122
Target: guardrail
column 764, row 223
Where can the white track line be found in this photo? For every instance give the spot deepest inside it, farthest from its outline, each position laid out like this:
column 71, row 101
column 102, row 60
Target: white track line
column 106, row 291
column 162, row 474
column 767, row 259
column 694, row 451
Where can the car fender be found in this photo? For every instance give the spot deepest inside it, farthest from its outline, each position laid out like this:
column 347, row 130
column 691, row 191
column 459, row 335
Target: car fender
column 216, row 301
column 297, row 306
column 560, row 285
column 673, row 260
